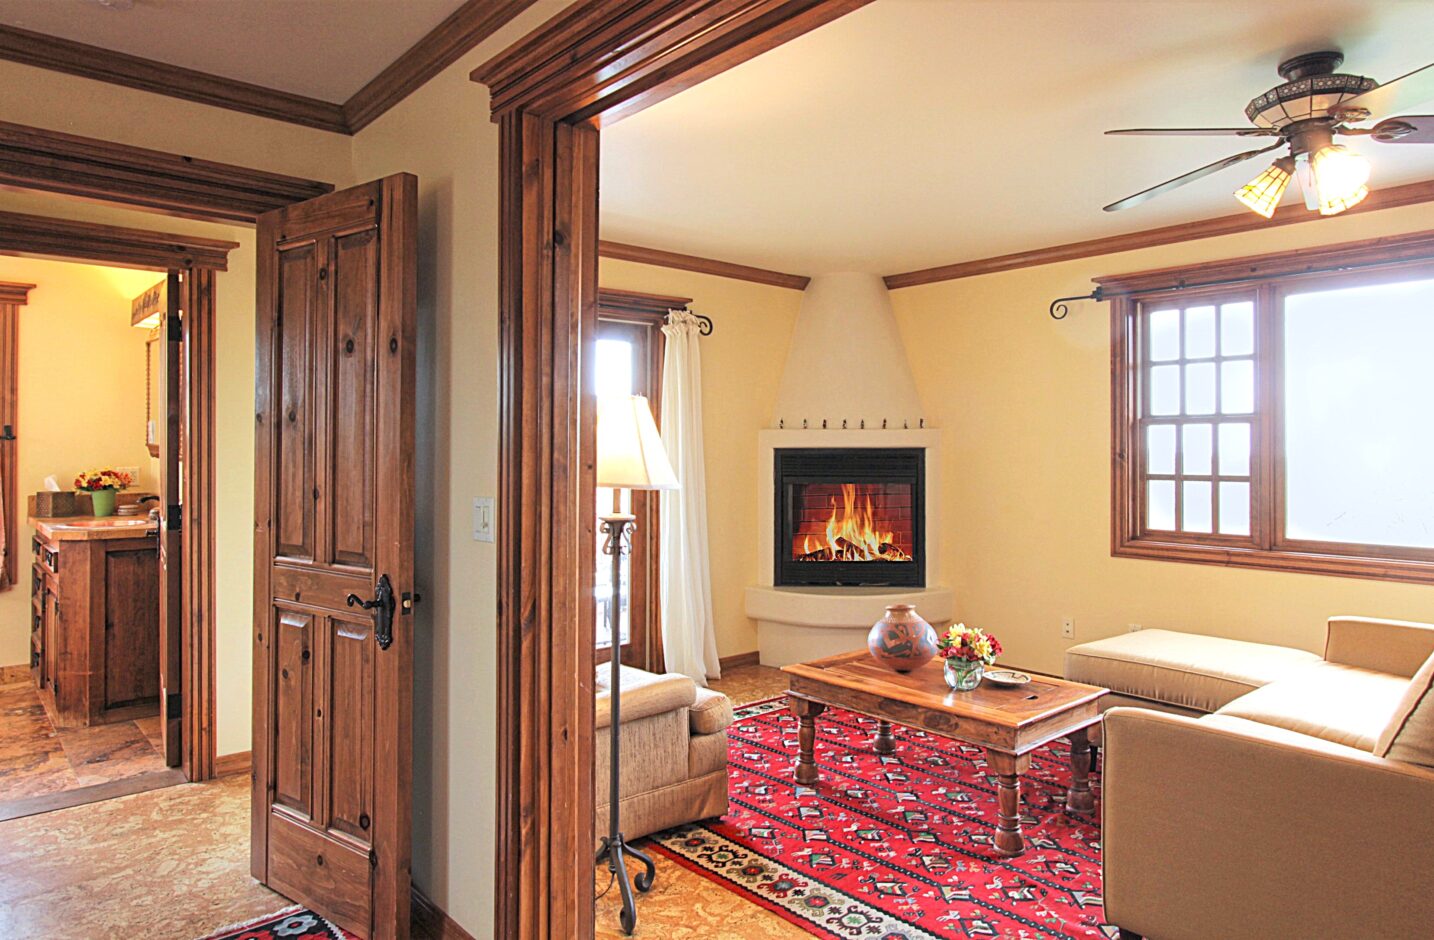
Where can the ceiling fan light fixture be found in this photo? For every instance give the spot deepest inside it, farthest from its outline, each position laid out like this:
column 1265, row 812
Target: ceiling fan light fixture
column 1341, row 178
column 1263, row 193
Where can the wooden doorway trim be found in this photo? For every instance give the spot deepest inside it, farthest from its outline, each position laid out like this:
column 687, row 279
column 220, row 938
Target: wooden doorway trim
column 13, row 296
column 597, row 62
column 195, row 260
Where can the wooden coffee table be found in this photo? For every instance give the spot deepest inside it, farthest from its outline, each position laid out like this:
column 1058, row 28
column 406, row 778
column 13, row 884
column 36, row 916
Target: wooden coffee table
column 1009, row 723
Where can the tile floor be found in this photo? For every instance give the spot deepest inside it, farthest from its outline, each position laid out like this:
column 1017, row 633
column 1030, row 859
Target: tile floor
column 36, row 759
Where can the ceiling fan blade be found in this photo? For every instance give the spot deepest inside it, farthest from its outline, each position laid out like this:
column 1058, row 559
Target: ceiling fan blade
column 1194, row 132
column 1192, row 176
column 1406, row 91
column 1405, row 129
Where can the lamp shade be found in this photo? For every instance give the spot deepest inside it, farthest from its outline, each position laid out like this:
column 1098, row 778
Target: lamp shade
column 630, row 454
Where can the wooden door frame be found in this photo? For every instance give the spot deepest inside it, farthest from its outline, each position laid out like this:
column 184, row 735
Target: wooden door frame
column 196, row 260
column 593, row 64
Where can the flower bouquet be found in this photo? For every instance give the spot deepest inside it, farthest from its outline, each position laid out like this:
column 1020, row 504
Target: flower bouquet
column 966, row 652
column 102, row 486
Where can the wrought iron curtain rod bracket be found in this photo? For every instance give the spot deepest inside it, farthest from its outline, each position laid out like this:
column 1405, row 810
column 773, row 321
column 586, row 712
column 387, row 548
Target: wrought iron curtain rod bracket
column 704, row 324
column 1060, row 307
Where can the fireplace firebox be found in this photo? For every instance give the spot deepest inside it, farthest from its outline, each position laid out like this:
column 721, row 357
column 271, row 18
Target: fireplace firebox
column 850, row 517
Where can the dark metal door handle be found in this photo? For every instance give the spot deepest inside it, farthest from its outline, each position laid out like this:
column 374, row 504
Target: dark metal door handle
column 382, row 607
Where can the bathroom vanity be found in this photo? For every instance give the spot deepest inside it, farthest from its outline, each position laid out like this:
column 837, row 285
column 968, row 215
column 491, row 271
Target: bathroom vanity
column 94, row 632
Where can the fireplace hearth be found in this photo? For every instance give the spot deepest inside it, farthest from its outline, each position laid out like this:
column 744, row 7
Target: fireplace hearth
column 850, row 517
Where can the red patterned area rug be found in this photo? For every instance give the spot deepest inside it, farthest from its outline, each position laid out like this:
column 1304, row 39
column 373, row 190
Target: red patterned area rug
column 897, row 847
column 292, row 923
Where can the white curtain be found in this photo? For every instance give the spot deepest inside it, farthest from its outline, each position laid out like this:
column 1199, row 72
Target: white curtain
column 689, row 637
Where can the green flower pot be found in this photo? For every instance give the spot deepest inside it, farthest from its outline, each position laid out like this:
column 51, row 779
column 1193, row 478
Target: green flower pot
column 103, row 501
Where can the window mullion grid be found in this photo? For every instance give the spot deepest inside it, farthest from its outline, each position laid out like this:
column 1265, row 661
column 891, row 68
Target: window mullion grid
column 1266, row 474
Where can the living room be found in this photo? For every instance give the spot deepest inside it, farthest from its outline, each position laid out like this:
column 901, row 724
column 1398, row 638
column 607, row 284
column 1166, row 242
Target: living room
column 1119, row 462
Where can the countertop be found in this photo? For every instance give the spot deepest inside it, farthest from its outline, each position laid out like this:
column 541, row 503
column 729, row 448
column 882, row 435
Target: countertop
column 89, row 528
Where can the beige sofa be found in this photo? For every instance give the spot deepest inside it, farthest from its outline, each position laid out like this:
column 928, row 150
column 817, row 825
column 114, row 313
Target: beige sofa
column 673, row 761
column 1301, row 808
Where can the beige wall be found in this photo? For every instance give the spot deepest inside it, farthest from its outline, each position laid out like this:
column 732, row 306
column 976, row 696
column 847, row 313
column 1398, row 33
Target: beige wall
column 81, row 397
column 1024, row 402
column 741, row 369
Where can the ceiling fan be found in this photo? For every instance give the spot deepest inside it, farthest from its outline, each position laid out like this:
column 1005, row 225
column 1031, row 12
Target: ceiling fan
column 1304, row 114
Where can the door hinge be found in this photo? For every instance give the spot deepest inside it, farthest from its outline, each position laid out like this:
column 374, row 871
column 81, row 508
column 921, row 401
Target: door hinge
column 173, row 519
column 372, row 858
column 173, row 706
column 176, row 329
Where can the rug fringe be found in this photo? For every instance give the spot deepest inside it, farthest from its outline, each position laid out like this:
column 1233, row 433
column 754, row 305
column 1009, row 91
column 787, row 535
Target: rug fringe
column 253, row 921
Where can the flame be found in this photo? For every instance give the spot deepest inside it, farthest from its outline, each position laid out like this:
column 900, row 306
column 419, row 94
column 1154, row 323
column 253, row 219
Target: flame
column 851, row 534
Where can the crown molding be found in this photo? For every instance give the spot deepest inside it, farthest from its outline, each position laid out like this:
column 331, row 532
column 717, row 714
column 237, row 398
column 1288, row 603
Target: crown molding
column 1390, row 198
column 109, row 244
column 161, row 78
column 671, row 259
column 449, row 41
column 13, row 292
column 457, row 35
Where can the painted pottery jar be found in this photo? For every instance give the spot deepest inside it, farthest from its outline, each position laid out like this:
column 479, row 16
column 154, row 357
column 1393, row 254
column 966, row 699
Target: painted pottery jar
column 901, row 640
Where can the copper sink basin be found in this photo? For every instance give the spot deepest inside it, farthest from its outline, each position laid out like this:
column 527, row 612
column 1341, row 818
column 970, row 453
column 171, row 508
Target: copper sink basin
column 106, row 523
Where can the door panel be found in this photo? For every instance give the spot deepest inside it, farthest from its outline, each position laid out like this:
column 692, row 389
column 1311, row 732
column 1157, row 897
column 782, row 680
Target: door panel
column 334, row 512
column 171, row 536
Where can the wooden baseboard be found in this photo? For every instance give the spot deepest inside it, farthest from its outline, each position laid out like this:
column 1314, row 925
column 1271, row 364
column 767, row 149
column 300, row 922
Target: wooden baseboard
column 753, row 658
column 236, row 763
column 431, row 922
column 19, row 673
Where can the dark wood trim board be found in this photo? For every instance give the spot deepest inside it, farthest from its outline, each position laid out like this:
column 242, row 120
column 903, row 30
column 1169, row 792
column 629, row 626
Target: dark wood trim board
column 239, row 762
column 738, row 660
column 671, row 259
column 82, row 796
column 431, row 922
column 109, row 244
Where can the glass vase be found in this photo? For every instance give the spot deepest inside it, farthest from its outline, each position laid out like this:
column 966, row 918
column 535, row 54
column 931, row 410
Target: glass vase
column 963, row 675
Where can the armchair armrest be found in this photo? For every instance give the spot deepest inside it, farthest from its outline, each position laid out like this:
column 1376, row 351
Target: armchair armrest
column 1398, row 647
column 1229, row 828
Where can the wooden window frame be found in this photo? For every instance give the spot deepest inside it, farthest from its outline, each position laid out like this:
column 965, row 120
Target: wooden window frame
column 642, row 316
column 1266, row 279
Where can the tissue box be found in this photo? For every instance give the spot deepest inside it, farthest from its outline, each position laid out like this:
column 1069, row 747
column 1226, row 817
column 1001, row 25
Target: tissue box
column 51, row 505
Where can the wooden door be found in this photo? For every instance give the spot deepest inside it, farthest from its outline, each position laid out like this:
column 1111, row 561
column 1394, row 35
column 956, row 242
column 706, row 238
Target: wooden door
column 334, row 530
column 171, row 561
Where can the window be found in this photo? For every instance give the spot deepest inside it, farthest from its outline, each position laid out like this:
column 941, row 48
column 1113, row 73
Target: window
column 629, row 362
column 1279, row 421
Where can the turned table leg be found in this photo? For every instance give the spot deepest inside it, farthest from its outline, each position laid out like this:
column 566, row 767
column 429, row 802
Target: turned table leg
column 806, row 712
column 1008, row 769
column 1080, row 799
column 885, row 743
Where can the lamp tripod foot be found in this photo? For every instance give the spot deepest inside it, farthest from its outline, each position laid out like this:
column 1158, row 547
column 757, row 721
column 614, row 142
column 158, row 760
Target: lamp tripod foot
column 614, row 849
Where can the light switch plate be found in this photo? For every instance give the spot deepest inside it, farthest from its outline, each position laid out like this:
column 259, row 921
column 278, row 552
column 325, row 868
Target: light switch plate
column 483, row 518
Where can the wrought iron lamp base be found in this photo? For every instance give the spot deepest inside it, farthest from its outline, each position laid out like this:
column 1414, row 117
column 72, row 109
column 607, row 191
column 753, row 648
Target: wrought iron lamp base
column 614, row 848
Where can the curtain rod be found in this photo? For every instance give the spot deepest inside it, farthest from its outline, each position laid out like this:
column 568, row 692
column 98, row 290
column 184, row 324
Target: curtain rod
column 1060, row 307
column 704, row 324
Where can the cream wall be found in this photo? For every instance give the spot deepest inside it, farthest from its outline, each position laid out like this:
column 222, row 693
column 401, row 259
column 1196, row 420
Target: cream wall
column 1024, row 402
column 742, row 364
column 81, row 397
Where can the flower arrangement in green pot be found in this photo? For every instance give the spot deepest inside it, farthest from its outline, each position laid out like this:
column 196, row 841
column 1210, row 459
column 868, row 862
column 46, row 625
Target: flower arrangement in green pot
column 965, row 653
column 102, row 485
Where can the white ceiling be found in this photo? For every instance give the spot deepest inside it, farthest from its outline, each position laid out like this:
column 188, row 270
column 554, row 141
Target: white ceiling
column 913, row 133
column 325, row 49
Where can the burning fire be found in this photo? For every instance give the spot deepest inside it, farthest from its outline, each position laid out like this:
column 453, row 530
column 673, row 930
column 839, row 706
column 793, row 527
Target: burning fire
column 851, row 534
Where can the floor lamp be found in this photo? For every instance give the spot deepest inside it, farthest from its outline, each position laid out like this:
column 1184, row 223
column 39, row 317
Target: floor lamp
column 630, row 456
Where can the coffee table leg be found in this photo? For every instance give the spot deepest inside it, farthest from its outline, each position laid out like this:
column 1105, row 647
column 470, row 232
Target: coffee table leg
column 885, row 743
column 1080, row 799
column 1008, row 769
column 806, row 712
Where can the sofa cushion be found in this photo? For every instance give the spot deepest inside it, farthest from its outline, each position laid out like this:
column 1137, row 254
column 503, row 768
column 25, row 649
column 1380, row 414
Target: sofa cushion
column 1196, row 672
column 711, row 712
column 1409, row 736
column 643, row 694
column 1343, row 704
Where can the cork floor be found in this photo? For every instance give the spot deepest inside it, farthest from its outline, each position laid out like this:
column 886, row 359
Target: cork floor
column 684, row 905
column 37, row 760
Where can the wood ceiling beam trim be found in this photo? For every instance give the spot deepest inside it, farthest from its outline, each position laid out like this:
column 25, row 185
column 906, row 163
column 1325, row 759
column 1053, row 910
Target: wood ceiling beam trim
column 448, row 42
column 34, row 158
column 119, row 68
column 671, row 259
column 1391, row 198
column 109, row 244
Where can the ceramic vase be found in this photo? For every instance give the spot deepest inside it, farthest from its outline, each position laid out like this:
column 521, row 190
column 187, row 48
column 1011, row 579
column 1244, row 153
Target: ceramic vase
column 963, row 675
column 901, row 640
column 103, row 502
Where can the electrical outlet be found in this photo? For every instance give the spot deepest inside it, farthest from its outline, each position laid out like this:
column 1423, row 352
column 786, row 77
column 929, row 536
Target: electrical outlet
column 483, row 519
column 1068, row 628
column 132, row 471
column 1132, row 628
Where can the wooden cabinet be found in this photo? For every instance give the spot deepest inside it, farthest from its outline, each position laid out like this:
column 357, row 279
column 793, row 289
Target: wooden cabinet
column 94, row 636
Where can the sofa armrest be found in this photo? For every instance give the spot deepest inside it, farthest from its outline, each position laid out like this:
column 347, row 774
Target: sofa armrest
column 644, row 694
column 1243, row 832
column 1398, row 647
